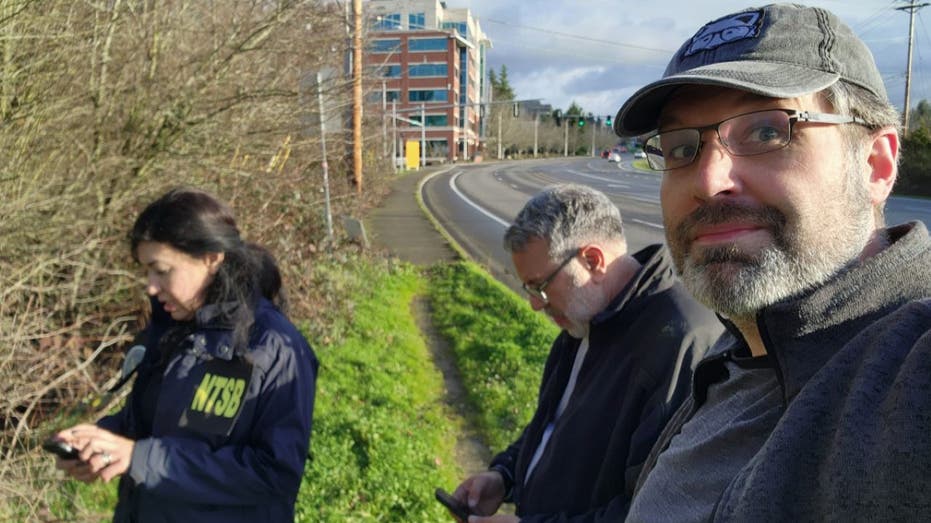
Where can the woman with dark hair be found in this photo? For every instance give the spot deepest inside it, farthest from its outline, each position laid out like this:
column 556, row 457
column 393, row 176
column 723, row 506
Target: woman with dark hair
column 217, row 426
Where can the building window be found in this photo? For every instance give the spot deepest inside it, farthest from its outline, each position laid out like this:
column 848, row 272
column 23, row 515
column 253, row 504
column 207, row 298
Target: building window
column 427, row 44
column 416, row 21
column 390, row 70
column 392, row 45
column 463, row 80
column 390, row 22
column 437, row 95
column 433, row 120
column 427, row 70
column 460, row 27
column 437, row 148
column 374, row 97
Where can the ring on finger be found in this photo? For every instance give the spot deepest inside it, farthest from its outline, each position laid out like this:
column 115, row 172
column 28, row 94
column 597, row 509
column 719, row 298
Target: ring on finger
column 107, row 459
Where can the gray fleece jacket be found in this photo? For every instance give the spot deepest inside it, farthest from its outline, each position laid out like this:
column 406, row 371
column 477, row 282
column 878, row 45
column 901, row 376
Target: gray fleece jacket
column 853, row 357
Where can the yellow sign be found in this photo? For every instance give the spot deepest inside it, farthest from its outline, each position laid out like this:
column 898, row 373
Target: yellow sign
column 412, row 154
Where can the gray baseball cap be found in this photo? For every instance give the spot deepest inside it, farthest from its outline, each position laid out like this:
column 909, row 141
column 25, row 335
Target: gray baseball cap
column 779, row 51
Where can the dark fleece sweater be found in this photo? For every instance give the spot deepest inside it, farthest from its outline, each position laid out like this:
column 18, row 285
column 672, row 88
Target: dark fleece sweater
column 853, row 357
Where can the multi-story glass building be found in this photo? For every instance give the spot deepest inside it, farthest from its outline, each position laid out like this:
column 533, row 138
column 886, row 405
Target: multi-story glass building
column 431, row 62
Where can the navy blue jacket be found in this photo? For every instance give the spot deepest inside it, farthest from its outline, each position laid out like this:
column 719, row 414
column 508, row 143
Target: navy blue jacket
column 642, row 349
column 219, row 437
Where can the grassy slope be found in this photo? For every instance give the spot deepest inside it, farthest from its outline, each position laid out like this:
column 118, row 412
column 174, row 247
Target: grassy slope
column 500, row 344
column 381, row 440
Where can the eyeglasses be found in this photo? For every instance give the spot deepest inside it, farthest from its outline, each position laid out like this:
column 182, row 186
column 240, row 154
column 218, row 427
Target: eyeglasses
column 537, row 291
column 742, row 135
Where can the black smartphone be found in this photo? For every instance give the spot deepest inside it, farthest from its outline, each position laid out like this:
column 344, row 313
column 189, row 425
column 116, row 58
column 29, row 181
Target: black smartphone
column 60, row 448
column 458, row 508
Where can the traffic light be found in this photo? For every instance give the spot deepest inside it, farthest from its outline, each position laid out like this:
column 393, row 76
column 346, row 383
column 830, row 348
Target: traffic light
column 608, row 121
column 581, row 122
column 557, row 117
column 516, row 109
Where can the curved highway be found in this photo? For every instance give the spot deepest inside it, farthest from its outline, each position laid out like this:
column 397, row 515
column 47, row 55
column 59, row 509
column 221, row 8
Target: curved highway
column 476, row 202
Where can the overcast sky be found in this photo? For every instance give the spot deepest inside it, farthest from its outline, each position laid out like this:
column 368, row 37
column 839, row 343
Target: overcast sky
column 598, row 52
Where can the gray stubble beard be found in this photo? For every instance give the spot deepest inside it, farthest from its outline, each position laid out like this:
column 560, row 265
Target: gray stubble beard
column 737, row 285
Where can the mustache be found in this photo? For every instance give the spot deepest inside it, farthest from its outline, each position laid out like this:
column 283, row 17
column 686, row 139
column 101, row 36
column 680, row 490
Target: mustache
column 716, row 213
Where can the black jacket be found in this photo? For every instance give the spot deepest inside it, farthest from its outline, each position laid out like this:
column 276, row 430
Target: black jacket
column 642, row 349
column 853, row 357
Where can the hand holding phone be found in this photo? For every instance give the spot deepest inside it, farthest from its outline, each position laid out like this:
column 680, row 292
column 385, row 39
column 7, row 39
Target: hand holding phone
column 458, row 508
column 60, row 448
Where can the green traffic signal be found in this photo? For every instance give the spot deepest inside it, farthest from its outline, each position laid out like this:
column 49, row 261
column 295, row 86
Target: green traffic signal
column 581, row 122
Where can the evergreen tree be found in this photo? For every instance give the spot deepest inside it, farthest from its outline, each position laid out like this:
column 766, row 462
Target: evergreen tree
column 505, row 91
column 920, row 117
column 501, row 88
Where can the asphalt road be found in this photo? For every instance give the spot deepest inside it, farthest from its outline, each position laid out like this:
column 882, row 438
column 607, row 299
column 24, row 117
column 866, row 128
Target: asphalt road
column 475, row 203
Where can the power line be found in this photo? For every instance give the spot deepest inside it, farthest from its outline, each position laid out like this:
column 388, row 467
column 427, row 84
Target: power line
column 573, row 53
column 580, row 37
column 871, row 21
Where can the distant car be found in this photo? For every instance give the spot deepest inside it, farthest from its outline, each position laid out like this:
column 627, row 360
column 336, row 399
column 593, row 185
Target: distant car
column 640, row 154
column 614, row 157
column 605, row 153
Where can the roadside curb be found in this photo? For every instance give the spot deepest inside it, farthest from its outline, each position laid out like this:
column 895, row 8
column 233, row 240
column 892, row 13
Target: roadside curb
column 418, row 195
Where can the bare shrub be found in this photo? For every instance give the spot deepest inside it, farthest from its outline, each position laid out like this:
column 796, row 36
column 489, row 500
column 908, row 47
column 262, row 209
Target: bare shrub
column 104, row 105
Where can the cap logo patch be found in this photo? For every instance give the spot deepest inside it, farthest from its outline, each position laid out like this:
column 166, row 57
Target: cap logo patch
column 724, row 31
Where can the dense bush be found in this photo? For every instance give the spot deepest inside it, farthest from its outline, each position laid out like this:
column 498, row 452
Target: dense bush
column 915, row 169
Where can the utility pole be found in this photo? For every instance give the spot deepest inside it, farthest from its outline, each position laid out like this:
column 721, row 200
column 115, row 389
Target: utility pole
column 593, row 140
column 357, row 94
column 500, row 157
column 394, row 135
column 384, row 120
column 536, row 124
column 565, row 137
column 326, row 176
column 464, row 114
column 911, row 8
column 423, row 136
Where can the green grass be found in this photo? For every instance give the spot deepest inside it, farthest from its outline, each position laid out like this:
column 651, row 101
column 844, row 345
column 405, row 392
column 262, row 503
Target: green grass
column 500, row 344
column 381, row 440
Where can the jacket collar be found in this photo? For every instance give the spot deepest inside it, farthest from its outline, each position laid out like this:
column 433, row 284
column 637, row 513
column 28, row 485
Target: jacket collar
column 803, row 333
column 656, row 274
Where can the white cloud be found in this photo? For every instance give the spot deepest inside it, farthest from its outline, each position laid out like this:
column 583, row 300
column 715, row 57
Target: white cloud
column 564, row 50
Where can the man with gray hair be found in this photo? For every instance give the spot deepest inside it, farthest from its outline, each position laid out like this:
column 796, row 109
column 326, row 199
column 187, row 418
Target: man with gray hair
column 621, row 366
column 778, row 148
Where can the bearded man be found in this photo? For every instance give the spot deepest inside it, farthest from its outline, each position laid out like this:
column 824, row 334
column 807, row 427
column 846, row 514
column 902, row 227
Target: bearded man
column 778, row 148
column 616, row 373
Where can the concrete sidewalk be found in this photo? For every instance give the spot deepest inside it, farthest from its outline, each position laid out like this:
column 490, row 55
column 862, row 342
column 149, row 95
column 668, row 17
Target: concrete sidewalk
column 400, row 227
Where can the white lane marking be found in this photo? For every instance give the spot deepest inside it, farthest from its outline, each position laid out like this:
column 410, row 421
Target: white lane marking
column 609, row 180
column 648, row 224
column 452, row 185
column 618, row 186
